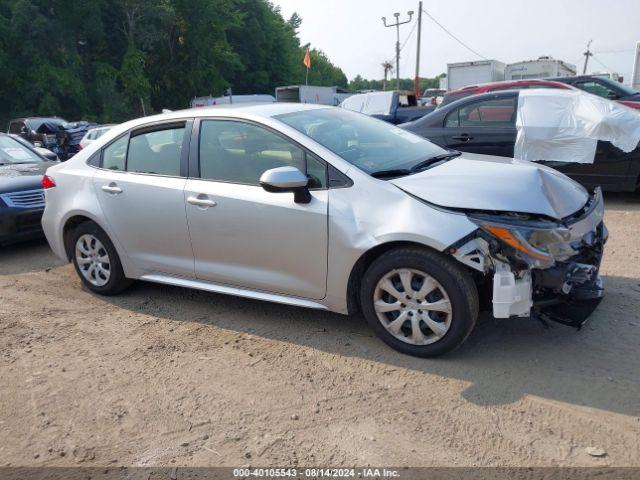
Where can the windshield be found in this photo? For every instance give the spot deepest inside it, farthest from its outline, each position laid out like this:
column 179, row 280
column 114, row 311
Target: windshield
column 370, row 144
column 618, row 86
column 12, row 152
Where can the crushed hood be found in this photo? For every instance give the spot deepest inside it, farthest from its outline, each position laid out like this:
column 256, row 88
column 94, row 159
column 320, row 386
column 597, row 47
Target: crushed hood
column 483, row 182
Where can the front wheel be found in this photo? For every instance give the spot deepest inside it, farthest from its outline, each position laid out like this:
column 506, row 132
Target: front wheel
column 419, row 302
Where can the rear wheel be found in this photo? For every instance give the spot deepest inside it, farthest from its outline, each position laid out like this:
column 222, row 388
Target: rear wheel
column 419, row 301
column 96, row 260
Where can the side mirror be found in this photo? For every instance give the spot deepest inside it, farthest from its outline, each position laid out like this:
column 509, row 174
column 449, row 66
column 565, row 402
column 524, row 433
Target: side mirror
column 612, row 96
column 287, row 179
column 37, row 144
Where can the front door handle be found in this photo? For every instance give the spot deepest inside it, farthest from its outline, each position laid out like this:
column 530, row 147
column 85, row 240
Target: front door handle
column 111, row 188
column 464, row 137
column 201, row 201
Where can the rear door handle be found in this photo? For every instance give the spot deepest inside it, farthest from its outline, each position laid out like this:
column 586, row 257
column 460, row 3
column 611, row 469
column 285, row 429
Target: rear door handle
column 201, row 201
column 464, row 137
column 111, row 188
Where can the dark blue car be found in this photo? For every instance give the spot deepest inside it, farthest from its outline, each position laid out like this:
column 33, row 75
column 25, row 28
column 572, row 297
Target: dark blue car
column 21, row 194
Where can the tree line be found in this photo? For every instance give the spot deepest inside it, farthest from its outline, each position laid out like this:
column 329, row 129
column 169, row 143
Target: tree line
column 359, row 83
column 107, row 60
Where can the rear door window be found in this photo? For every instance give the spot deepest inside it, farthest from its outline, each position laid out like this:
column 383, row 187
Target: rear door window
column 157, row 152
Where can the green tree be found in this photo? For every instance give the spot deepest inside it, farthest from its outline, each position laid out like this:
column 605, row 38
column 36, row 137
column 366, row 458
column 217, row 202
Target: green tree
column 95, row 59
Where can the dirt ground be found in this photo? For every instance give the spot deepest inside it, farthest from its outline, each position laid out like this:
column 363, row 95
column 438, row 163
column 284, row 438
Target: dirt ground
column 168, row 376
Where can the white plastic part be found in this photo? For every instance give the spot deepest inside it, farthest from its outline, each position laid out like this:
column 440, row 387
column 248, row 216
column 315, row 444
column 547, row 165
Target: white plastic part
column 565, row 125
column 372, row 103
column 511, row 295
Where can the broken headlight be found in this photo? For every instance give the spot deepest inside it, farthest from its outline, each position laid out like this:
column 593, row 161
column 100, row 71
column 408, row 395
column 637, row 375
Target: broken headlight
column 534, row 241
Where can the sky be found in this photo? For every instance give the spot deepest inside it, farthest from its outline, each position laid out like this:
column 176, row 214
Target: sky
column 351, row 32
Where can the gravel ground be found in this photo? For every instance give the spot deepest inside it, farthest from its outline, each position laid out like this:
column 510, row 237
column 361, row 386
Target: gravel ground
column 168, row 376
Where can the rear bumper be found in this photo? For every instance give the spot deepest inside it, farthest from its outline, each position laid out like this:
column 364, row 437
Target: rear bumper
column 19, row 224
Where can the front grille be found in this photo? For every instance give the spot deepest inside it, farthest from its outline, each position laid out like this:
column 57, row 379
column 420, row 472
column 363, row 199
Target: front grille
column 24, row 199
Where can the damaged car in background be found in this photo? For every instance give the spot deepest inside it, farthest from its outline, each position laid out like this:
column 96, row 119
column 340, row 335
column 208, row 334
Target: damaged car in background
column 52, row 133
column 591, row 139
column 321, row 207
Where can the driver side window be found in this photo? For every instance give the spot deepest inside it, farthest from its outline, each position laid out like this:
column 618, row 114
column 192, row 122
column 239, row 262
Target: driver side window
column 239, row 152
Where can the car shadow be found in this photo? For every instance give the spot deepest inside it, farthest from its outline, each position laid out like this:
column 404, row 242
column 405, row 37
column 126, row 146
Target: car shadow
column 502, row 360
column 32, row 256
column 622, row 201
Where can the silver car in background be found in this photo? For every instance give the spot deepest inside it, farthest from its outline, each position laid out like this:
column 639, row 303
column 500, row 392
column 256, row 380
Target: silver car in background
column 93, row 134
column 324, row 208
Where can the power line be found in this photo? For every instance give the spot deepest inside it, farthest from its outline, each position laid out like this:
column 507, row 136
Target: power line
column 408, row 37
column 626, row 50
column 602, row 64
column 453, row 36
column 413, row 29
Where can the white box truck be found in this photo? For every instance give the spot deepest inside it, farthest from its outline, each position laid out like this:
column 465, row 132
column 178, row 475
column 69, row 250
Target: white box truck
column 543, row 67
column 463, row 74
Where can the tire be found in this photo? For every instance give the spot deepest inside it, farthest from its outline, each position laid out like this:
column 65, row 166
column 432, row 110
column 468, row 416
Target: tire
column 91, row 247
column 431, row 330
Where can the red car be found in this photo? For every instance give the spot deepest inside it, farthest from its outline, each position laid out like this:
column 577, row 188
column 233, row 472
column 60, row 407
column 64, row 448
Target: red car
column 454, row 95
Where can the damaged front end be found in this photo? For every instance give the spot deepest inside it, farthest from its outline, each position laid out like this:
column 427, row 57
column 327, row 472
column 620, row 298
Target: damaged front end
column 540, row 267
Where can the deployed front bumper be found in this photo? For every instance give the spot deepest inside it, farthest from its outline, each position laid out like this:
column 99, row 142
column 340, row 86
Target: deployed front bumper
column 566, row 288
column 570, row 291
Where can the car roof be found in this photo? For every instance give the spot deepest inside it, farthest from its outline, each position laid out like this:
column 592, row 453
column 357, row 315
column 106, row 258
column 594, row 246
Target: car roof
column 574, row 77
column 240, row 110
column 504, row 83
column 496, row 94
column 260, row 109
column 247, row 111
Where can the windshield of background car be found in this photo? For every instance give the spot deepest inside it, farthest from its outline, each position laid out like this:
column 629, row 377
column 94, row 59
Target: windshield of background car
column 369, row 144
column 12, row 152
column 618, row 86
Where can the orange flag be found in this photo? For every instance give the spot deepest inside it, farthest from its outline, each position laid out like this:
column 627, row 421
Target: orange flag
column 307, row 59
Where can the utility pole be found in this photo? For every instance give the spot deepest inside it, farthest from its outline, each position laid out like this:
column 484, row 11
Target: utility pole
column 587, row 54
column 397, row 25
column 416, row 80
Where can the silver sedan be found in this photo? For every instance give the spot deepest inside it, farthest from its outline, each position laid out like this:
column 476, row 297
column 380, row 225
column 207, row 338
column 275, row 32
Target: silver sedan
column 324, row 208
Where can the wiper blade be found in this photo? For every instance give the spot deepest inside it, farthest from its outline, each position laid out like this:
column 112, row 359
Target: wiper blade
column 437, row 158
column 397, row 172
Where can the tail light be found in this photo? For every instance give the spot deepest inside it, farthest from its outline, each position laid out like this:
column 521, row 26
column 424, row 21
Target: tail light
column 47, row 182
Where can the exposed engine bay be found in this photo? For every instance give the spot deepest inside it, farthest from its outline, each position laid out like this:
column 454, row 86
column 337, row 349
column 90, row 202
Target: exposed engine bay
column 539, row 266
